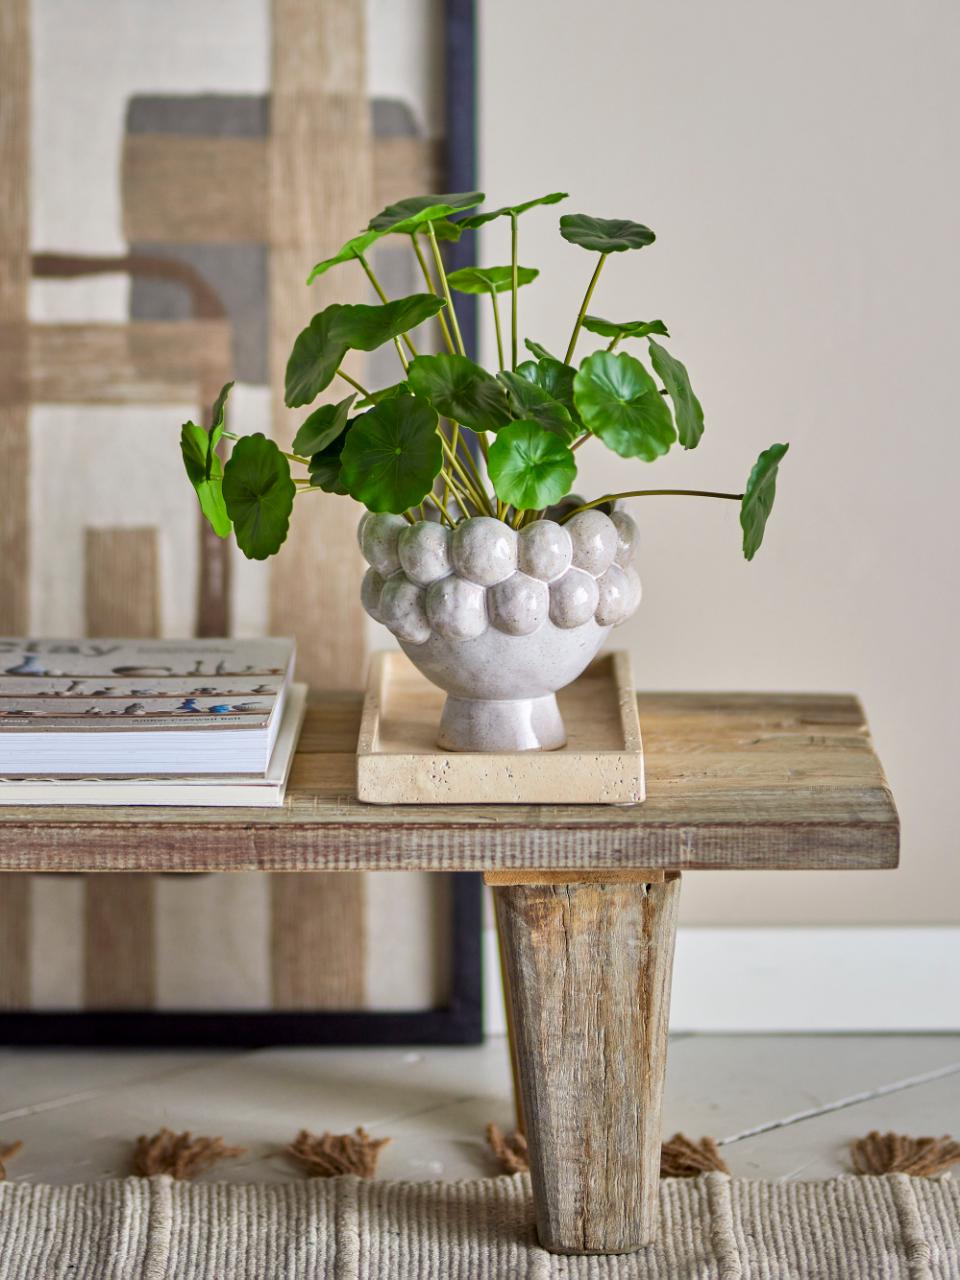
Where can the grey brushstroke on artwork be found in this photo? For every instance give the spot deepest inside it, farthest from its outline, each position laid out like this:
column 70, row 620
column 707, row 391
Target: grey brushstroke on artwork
column 392, row 118
column 239, row 272
column 202, row 115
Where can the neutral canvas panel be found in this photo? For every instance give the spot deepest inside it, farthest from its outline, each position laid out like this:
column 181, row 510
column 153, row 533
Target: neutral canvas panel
column 154, row 281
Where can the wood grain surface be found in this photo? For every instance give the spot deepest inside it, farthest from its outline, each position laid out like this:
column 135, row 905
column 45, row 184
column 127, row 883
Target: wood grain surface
column 317, row 942
column 318, row 109
column 734, row 781
column 15, row 940
column 320, row 188
column 588, row 975
column 119, row 942
column 122, row 582
column 15, row 898
column 147, row 362
column 14, row 335
column 121, row 597
column 183, row 189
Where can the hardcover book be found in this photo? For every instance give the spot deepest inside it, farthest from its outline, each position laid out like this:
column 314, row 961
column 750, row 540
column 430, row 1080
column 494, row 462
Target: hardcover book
column 133, row 708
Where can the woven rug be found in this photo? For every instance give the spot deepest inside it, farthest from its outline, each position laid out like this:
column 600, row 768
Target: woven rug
column 713, row 1228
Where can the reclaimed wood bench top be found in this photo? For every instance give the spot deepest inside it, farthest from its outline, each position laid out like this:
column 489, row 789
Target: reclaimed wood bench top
column 734, row 781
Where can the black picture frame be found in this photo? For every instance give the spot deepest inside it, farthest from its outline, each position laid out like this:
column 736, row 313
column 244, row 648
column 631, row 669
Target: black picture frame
column 460, row 1020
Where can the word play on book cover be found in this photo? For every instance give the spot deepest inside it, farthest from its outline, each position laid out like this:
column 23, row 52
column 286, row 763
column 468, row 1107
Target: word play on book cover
column 147, row 721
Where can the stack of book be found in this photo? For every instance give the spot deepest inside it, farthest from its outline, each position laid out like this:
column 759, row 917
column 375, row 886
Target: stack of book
column 169, row 722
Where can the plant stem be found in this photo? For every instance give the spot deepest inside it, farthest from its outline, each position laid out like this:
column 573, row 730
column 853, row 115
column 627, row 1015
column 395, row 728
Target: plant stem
column 477, row 477
column 496, row 325
column 613, row 341
column 444, row 327
column 453, row 488
column 514, row 286
column 442, row 275
column 577, row 443
column 583, row 308
column 650, row 493
column 353, row 383
column 477, row 496
column 383, row 298
column 444, row 514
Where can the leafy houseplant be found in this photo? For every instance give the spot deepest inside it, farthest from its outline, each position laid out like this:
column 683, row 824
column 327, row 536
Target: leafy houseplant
column 497, row 581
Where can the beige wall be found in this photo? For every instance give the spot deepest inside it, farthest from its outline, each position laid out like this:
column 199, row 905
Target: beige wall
column 799, row 165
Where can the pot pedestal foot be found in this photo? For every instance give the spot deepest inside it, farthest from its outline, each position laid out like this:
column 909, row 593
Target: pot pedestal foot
column 519, row 724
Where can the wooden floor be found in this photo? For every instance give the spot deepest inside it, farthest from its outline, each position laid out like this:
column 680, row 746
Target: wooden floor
column 783, row 1106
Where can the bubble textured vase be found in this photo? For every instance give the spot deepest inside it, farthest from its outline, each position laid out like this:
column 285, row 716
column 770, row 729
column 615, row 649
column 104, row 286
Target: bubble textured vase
column 501, row 619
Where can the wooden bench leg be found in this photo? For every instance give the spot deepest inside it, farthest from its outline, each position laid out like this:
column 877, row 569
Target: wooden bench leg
column 588, row 971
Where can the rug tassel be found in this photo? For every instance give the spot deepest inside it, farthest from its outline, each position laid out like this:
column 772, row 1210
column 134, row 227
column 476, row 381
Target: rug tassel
column 680, row 1157
column 510, row 1150
column 179, row 1154
column 7, row 1153
column 880, row 1153
column 334, row 1154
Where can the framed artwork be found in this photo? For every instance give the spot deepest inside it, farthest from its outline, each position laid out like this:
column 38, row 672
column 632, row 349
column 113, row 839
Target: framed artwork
column 171, row 173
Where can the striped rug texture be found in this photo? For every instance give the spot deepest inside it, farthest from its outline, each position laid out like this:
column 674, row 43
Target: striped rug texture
column 713, row 1228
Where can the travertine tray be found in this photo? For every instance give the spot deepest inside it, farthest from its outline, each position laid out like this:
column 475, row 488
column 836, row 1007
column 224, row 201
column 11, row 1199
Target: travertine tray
column 398, row 761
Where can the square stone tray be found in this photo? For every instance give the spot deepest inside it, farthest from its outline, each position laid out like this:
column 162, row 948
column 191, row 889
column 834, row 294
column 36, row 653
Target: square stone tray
column 399, row 762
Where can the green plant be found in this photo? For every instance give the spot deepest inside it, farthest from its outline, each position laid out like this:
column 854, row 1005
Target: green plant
column 450, row 438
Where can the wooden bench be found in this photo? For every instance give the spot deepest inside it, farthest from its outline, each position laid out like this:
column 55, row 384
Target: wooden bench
column 586, row 899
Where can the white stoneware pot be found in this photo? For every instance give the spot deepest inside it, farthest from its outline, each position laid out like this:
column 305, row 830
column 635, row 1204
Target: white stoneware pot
column 501, row 620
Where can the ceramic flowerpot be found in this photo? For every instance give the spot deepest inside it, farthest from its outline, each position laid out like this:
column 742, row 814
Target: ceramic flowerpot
column 498, row 619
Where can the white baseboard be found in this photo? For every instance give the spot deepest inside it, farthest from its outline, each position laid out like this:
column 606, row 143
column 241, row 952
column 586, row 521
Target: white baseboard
column 863, row 978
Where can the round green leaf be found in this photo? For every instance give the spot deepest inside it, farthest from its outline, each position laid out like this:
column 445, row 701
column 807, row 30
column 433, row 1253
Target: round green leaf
column 320, row 347
column 346, row 253
column 443, row 229
column 534, row 403
column 206, row 475
column 461, row 390
column 315, row 358
column 530, row 468
column 407, row 215
column 687, row 409
column 629, row 328
column 513, row 210
column 619, row 402
column 325, row 466
column 392, row 455
column 485, row 279
column 322, row 427
column 203, row 465
column 218, row 411
column 554, row 377
column 258, row 493
column 385, row 393
column 364, row 328
column 326, row 472
column 758, row 498
column 604, row 235
column 537, row 351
